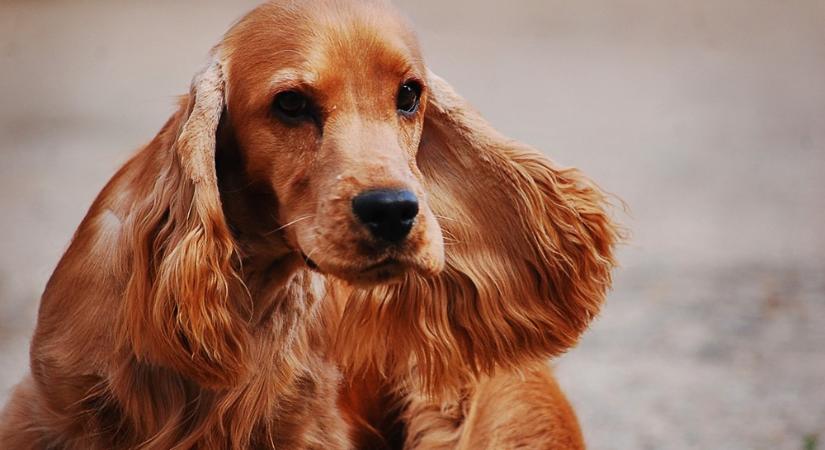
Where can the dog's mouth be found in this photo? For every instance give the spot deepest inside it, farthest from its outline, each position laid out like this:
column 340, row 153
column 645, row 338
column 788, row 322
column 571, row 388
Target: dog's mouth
column 388, row 265
column 387, row 269
column 383, row 263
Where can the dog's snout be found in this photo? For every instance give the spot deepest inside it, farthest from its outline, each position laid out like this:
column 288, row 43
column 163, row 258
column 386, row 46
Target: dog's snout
column 388, row 214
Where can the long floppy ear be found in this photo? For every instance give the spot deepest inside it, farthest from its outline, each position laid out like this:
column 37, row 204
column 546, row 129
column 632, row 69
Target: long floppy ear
column 180, row 308
column 529, row 251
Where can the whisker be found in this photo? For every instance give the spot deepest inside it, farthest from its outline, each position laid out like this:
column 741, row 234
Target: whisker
column 449, row 238
column 448, row 233
column 240, row 188
column 309, row 255
column 446, row 218
column 289, row 224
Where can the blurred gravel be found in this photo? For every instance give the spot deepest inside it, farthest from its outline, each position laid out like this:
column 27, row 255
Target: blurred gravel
column 707, row 117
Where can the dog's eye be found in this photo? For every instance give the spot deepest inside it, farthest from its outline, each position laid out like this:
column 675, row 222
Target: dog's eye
column 408, row 96
column 292, row 106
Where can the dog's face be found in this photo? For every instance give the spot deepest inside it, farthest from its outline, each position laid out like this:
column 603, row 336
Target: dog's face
column 329, row 112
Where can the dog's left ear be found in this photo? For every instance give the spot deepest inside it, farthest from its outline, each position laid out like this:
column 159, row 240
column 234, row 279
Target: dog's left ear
column 182, row 308
column 528, row 247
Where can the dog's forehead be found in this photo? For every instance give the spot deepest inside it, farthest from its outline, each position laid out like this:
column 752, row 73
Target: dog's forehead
column 320, row 42
column 362, row 52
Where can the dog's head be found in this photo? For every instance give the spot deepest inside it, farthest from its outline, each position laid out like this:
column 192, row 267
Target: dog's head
column 326, row 101
column 318, row 136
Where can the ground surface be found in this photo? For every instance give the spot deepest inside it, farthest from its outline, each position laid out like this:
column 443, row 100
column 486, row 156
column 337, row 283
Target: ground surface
column 707, row 117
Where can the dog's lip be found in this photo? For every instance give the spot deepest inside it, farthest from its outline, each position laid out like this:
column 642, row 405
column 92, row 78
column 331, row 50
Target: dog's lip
column 382, row 264
column 385, row 269
column 380, row 272
column 386, row 262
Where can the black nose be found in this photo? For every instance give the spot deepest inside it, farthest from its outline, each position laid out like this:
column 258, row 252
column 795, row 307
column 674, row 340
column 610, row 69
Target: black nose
column 389, row 214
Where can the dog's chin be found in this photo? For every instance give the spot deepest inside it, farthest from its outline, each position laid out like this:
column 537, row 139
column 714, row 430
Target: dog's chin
column 385, row 271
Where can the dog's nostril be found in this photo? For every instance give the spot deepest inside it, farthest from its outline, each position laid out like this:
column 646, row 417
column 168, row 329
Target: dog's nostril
column 388, row 214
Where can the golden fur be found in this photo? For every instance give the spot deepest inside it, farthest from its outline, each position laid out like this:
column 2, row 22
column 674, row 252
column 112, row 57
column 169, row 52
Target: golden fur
column 220, row 294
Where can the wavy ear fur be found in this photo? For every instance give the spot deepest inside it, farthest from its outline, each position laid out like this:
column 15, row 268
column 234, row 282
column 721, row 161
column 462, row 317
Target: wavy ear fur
column 181, row 308
column 529, row 251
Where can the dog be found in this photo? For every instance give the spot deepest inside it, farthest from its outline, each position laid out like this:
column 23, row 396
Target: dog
column 323, row 247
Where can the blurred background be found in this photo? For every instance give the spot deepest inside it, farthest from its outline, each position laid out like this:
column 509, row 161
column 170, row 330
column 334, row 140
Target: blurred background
column 706, row 116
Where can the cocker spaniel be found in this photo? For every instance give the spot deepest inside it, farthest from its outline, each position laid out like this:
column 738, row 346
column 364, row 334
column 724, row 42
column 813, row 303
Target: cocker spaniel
column 324, row 247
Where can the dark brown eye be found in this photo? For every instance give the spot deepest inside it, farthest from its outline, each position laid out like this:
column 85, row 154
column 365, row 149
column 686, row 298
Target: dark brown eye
column 408, row 96
column 292, row 106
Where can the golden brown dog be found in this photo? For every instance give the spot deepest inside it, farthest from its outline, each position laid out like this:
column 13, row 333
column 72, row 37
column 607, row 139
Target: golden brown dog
column 324, row 247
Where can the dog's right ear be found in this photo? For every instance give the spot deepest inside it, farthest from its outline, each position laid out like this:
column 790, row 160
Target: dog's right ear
column 529, row 253
column 182, row 308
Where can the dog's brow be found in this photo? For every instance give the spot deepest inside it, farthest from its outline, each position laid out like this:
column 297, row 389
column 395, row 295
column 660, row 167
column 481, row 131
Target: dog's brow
column 292, row 77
